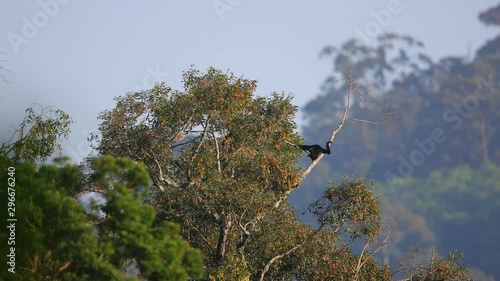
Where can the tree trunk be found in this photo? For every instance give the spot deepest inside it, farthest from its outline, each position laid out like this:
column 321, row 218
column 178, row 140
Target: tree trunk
column 224, row 226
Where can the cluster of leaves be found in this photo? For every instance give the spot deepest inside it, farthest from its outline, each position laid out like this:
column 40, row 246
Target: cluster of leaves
column 38, row 135
column 349, row 205
column 439, row 268
column 57, row 240
column 127, row 234
column 53, row 238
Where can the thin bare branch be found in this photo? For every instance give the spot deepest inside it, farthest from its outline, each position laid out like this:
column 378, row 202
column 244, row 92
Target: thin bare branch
column 246, row 233
column 358, row 267
column 275, row 258
column 3, row 72
column 363, row 120
column 184, row 143
column 351, row 87
column 179, row 136
column 203, row 135
column 203, row 237
column 386, row 116
column 381, row 245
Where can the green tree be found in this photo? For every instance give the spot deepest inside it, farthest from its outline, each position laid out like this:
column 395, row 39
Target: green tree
column 54, row 238
column 38, row 135
column 219, row 159
column 456, row 204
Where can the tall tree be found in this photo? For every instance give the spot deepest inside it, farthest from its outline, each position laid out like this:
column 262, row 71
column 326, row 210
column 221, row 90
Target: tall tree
column 222, row 164
column 223, row 170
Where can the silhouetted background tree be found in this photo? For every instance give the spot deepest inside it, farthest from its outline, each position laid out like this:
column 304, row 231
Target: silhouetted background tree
column 436, row 167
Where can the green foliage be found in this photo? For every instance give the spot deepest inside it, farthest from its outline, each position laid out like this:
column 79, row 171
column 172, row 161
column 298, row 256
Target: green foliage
column 126, row 233
column 53, row 237
column 37, row 136
column 218, row 159
column 350, row 206
column 233, row 269
column 325, row 258
column 54, row 240
column 459, row 202
column 450, row 268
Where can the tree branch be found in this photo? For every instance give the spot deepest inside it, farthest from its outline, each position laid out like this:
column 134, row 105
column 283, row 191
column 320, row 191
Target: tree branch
column 218, row 152
column 246, row 233
column 224, row 226
column 177, row 136
column 277, row 257
column 361, row 262
column 351, row 87
column 363, row 120
column 161, row 177
column 201, row 140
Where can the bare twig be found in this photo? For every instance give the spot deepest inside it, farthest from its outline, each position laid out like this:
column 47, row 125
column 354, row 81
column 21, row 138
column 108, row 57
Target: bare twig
column 386, row 116
column 358, row 267
column 203, row 237
column 381, row 245
column 205, row 129
column 4, row 71
column 363, row 120
column 244, row 228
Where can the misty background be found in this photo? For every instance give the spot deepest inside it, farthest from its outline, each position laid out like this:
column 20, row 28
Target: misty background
column 87, row 53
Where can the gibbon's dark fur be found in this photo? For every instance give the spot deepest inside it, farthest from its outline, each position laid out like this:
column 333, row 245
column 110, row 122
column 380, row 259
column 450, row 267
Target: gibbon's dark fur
column 315, row 150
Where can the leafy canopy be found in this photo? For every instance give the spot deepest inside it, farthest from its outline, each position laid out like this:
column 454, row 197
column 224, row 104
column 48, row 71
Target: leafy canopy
column 218, row 157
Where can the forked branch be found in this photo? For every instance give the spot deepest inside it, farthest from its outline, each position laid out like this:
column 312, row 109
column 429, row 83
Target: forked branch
column 361, row 261
column 288, row 252
column 161, row 176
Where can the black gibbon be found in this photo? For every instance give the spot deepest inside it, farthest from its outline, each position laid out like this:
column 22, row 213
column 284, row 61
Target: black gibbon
column 315, row 150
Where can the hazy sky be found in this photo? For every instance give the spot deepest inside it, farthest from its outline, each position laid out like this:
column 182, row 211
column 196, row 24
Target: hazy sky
column 78, row 55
